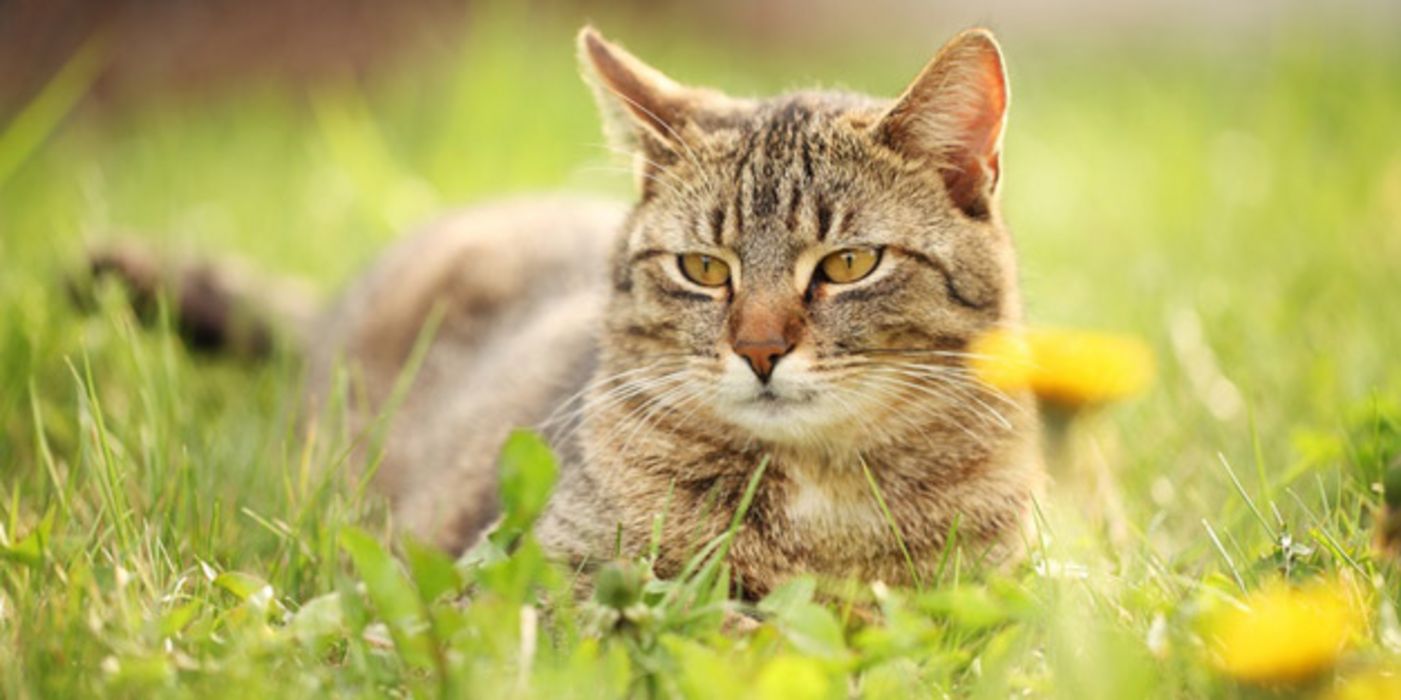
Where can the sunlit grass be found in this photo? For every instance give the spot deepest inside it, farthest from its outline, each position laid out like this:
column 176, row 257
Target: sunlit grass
column 171, row 525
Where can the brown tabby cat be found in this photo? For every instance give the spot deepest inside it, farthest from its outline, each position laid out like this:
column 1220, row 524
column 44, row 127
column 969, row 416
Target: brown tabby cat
column 798, row 283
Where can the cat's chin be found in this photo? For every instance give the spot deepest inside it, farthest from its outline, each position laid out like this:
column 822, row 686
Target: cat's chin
column 802, row 421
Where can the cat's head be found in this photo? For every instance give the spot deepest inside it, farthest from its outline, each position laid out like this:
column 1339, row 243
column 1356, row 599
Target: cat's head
column 811, row 267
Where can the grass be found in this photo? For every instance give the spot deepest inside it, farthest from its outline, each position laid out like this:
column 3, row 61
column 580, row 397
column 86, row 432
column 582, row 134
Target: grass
column 171, row 526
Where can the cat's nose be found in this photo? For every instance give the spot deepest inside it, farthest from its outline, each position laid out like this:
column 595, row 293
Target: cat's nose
column 763, row 330
column 763, row 354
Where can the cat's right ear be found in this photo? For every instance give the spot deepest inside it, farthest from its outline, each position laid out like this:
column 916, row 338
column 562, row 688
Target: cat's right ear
column 645, row 113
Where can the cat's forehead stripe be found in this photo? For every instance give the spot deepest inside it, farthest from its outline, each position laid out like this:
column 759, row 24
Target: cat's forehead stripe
column 775, row 173
column 717, row 225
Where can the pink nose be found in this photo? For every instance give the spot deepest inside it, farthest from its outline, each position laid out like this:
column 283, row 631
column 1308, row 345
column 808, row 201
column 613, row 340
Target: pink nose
column 763, row 354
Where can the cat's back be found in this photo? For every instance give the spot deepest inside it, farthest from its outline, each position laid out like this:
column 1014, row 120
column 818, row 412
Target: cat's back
column 477, row 267
column 504, row 300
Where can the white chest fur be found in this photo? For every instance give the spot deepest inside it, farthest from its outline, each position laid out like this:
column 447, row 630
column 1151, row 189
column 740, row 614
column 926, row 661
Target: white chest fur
column 833, row 501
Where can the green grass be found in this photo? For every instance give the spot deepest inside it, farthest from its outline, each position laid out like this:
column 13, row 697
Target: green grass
column 170, row 525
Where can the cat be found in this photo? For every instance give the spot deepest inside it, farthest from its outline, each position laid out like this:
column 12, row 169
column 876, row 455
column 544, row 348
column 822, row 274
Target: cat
column 796, row 286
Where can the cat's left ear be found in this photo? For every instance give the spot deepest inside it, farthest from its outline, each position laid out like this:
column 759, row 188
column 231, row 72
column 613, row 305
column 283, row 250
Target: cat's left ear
column 952, row 118
column 645, row 113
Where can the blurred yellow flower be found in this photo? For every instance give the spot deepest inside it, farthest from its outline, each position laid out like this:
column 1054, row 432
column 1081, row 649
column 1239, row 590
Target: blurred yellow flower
column 1069, row 368
column 1377, row 685
column 1283, row 634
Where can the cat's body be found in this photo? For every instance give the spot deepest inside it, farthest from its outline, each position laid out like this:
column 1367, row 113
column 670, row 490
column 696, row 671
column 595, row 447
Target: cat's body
column 797, row 287
column 513, row 322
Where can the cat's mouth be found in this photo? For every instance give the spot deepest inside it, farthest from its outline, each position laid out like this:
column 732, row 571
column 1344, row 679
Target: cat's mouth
column 782, row 416
column 767, row 396
column 794, row 407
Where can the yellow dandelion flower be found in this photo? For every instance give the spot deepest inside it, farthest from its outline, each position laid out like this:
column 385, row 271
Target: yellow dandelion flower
column 1283, row 634
column 1068, row 368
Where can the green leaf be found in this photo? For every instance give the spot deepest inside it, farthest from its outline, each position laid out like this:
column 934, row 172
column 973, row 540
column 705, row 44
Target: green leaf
column 787, row 598
column 702, row 671
column 354, row 608
column 814, row 630
column 433, row 571
column 244, row 586
column 319, row 620
column 604, row 671
column 975, row 607
column 897, row 678
column 177, row 618
column 527, row 473
column 30, row 549
column 485, row 553
column 518, row 576
column 391, row 594
column 27, row 551
column 790, row 677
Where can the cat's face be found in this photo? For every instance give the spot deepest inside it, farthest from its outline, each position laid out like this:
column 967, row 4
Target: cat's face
column 811, row 268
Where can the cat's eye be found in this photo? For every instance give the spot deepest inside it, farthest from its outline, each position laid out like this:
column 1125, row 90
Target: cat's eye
column 850, row 265
column 705, row 270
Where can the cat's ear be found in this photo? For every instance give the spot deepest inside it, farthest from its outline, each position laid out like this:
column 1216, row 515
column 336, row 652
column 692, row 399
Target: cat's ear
column 952, row 117
column 645, row 113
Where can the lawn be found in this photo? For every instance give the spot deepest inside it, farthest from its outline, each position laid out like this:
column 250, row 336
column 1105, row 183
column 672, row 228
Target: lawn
column 171, row 525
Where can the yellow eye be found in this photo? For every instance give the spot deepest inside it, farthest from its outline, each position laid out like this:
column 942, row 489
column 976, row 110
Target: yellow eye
column 705, row 270
column 850, row 265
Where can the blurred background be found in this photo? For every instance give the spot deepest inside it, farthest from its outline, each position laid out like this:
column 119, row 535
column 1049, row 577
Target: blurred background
column 161, row 47
column 1223, row 179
